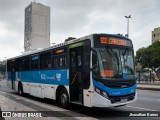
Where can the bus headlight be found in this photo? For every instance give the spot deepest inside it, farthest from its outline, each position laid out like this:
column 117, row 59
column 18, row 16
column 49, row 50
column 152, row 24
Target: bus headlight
column 101, row 92
column 97, row 90
column 104, row 93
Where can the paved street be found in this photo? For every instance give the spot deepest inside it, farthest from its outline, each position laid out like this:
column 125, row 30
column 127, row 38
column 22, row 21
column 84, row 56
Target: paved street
column 148, row 102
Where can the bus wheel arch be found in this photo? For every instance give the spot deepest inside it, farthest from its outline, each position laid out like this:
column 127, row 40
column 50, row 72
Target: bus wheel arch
column 62, row 97
column 20, row 89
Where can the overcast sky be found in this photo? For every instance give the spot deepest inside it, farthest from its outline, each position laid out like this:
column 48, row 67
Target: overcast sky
column 78, row 18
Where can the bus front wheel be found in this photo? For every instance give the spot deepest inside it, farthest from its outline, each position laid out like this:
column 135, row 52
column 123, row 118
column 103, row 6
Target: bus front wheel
column 64, row 98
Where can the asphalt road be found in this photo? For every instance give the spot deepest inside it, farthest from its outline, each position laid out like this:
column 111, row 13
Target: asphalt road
column 148, row 102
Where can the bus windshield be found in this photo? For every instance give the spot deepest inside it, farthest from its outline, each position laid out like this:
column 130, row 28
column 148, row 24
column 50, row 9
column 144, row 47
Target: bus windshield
column 114, row 63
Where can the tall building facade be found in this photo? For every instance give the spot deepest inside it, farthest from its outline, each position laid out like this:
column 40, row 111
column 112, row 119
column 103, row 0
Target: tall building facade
column 37, row 26
column 156, row 34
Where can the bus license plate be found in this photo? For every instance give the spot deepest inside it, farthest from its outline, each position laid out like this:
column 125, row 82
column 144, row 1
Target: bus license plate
column 124, row 100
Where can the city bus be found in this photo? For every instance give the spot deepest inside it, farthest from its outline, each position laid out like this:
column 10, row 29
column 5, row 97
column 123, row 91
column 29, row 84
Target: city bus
column 96, row 70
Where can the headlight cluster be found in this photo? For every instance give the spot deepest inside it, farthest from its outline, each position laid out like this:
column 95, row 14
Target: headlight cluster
column 101, row 92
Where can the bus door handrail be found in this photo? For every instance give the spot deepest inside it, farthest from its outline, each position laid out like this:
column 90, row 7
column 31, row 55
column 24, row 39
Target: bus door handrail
column 74, row 78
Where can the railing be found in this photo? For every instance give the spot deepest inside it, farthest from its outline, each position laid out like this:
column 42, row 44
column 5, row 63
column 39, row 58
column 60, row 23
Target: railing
column 147, row 77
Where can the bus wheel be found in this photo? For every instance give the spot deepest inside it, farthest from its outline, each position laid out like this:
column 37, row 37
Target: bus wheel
column 20, row 89
column 64, row 98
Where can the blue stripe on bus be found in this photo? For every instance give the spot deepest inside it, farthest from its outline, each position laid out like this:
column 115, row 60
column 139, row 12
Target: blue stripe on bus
column 57, row 77
column 9, row 76
column 115, row 91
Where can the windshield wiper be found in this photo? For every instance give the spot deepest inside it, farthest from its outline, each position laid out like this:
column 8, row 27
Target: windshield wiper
column 113, row 53
column 124, row 53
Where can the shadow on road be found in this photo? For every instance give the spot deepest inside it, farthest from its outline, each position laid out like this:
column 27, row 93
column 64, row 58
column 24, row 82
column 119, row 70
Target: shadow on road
column 75, row 110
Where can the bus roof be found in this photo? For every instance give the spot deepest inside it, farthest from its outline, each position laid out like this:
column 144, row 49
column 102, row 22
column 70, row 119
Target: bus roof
column 66, row 43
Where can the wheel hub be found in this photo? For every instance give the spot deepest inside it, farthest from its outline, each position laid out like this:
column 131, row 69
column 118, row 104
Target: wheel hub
column 63, row 98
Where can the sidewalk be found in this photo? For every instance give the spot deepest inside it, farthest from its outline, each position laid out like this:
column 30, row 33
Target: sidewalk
column 4, row 87
column 149, row 86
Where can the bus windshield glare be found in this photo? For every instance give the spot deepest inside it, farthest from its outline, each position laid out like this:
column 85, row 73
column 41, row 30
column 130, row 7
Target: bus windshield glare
column 114, row 63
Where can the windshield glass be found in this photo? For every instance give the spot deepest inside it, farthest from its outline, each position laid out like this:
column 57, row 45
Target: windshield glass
column 114, row 63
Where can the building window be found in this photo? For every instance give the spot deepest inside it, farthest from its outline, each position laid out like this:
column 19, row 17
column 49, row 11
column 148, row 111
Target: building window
column 154, row 35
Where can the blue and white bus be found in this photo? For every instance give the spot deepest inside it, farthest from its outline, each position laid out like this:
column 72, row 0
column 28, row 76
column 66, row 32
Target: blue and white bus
column 95, row 71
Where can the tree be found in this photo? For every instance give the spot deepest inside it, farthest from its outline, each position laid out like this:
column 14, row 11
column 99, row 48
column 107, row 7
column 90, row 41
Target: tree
column 2, row 68
column 138, row 67
column 141, row 56
column 69, row 38
column 149, row 57
column 154, row 55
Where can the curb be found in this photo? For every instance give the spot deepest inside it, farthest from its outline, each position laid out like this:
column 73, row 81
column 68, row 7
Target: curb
column 145, row 88
column 148, row 83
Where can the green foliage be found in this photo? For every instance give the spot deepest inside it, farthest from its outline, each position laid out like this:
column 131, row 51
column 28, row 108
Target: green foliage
column 158, row 77
column 2, row 68
column 140, row 56
column 155, row 54
column 138, row 67
column 69, row 38
column 149, row 57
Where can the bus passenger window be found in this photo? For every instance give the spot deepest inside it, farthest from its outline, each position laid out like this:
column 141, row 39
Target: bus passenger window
column 34, row 62
column 79, row 60
column 55, row 62
column 64, row 61
column 25, row 63
column 45, row 60
column 60, row 62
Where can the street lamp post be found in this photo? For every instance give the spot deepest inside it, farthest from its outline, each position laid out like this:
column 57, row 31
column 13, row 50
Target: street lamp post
column 127, row 17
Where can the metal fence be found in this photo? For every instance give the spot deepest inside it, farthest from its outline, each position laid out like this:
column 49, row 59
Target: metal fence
column 146, row 77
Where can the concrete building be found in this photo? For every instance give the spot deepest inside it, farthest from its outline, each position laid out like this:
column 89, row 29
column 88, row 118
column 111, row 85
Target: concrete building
column 156, row 34
column 37, row 26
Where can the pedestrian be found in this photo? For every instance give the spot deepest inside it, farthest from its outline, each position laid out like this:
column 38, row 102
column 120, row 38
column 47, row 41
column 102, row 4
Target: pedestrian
column 153, row 77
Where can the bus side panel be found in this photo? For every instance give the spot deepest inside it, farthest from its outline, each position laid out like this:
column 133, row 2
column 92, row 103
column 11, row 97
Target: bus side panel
column 43, row 83
column 49, row 91
column 24, row 77
column 58, row 77
column 26, row 87
column 87, row 98
column 9, row 82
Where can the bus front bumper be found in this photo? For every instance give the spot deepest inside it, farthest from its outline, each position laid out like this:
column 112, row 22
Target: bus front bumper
column 100, row 101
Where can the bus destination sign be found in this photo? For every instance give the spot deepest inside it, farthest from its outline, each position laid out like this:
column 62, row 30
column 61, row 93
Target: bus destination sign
column 110, row 40
column 113, row 41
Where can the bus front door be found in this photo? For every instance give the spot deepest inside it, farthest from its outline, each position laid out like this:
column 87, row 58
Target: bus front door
column 76, row 91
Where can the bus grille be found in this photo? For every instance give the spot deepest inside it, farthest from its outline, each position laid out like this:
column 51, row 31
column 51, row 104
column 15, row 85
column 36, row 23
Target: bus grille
column 121, row 99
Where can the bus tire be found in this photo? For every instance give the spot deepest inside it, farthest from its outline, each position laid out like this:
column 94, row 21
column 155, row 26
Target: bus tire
column 20, row 89
column 64, row 98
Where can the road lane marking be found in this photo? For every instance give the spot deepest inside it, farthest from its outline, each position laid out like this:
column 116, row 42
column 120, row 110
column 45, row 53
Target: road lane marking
column 149, row 99
column 142, row 108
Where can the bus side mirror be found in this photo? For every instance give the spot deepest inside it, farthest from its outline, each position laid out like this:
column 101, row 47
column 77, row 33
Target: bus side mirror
column 94, row 61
